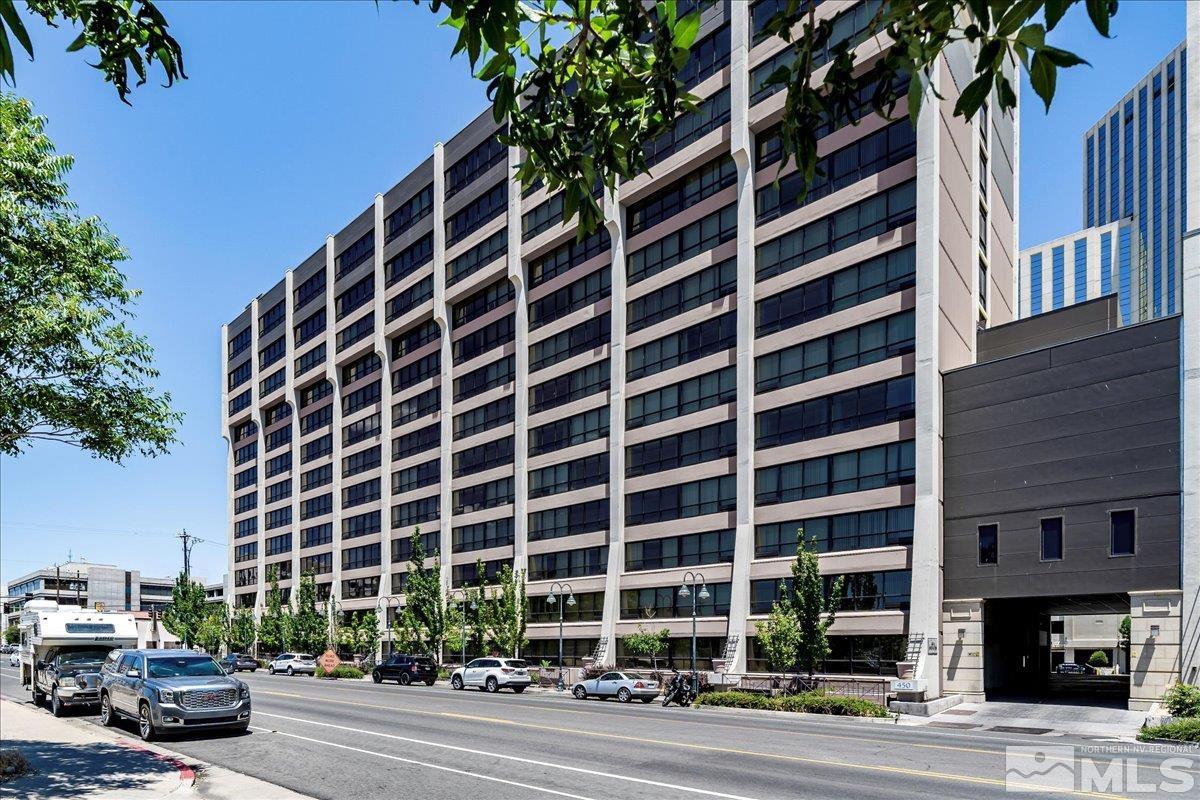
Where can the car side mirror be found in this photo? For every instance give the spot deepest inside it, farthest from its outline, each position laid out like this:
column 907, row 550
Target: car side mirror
column 133, row 672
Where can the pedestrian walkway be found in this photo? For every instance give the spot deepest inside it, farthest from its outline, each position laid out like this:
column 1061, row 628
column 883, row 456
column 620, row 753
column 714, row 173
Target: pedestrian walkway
column 1048, row 719
column 73, row 758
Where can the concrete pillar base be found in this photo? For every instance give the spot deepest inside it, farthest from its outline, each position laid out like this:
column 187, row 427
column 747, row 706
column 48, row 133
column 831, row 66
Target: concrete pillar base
column 962, row 648
column 1154, row 637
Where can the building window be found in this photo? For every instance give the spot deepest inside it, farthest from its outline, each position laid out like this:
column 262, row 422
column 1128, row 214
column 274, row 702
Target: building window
column 585, row 381
column 698, row 289
column 477, row 257
column 489, row 376
column 354, row 255
column 569, row 475
column 680, row 399
column 495, row 453
column 1052, row 539
column 1124, row 532
column 589, row 335
column 416, row 477
column 410, row 298
column 489, row 337
column 482, row 535
column 988, row 544
column 584, row 292
column 409, row 213
column 486, row 299
column 675, row 349
column 477, row 213
column 566, row 257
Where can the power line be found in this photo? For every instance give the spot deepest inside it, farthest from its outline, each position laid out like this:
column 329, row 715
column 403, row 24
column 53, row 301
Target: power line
column 77, row 529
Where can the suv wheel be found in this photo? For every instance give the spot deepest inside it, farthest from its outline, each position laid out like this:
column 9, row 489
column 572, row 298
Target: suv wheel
column 456, row 682
column 145, row 723
column 405, row 679
column 492, row 685
column 580, row 693
column 624, row 695
column 107, row 717
column 290, row 671
column 271, row 669
column 375, row 676
column 56, row 703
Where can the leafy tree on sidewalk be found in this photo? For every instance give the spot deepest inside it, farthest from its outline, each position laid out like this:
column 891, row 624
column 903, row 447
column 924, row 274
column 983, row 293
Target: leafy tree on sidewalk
column 421, row 621
column 779, row 637
column 187, row 611
column 795, row 633
column 310, row 626
column 71, row 369
column 213, row 628
column 361, row 635
column 241, row 631
column 12, row 634
column 509, row 612
column 275, row 625
column 645, row 642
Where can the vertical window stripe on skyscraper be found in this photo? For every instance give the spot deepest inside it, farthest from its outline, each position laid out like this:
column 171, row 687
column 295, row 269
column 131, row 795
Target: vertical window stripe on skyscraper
column 1057, row 276
column 1081, row 292
column 1035, row 283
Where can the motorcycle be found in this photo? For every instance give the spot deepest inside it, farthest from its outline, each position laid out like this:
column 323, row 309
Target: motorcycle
column 681, row 690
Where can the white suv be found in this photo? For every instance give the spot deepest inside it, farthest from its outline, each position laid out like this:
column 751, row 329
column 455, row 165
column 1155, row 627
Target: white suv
column 292, row 663
column 492, row 675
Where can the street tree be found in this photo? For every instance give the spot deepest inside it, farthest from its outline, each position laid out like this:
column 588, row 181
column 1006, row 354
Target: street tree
column 12, row 634
column 361, row 634
column 583, row 84
column 421, row 621
column 310, row 626
column 813, row 609
column 71, row 368
column 241, row 631
column 125, row 35
column 275, row 624
column 779, row 637
column 213, row 630
column 647, row 643
column 509, row 612
column 187, row 611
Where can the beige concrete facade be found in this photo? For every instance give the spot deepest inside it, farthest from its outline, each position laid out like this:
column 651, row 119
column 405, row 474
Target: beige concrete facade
column 1154, row 638
column 953, row 254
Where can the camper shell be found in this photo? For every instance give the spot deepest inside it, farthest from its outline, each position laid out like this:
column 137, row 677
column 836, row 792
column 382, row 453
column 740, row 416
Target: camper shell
column 62, row 647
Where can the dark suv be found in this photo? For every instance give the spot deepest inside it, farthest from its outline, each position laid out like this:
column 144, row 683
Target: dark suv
column 406, row 669
column 237, row 662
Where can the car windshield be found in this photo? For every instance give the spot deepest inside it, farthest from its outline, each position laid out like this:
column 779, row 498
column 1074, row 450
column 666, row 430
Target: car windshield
column 184, row 667
column 83, row 657
column 512, row 662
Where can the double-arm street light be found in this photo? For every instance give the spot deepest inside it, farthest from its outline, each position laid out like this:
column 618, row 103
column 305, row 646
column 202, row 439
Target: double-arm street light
column 335, row 609
column 387, row 600
column 461, row 596
column 558, row 588
column 692, row 578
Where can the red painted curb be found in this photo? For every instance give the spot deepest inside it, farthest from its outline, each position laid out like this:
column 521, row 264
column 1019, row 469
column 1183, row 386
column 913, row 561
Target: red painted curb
column 186, row 773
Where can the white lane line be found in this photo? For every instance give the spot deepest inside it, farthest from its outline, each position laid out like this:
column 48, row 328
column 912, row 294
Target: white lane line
column 518, row 759
column 421, row 763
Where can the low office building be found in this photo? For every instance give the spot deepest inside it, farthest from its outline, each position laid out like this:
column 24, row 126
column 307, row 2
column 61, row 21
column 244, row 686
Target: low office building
column 726, row 361
column 86, row 584
column 1080, row 266
column 1063, row 490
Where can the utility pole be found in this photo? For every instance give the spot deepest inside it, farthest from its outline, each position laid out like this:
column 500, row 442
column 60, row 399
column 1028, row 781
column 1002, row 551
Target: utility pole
column 78, row 587
column 186, row 538
column 57, row 583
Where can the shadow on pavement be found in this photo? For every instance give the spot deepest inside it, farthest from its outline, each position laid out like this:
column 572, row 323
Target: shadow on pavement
column 72, row 770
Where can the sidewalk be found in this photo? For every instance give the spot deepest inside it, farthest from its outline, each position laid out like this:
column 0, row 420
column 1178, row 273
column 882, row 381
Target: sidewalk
column 1046, row 719
column 76, row 759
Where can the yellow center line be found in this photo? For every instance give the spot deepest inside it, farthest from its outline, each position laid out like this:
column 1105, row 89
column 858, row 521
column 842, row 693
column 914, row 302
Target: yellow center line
column 949, row 776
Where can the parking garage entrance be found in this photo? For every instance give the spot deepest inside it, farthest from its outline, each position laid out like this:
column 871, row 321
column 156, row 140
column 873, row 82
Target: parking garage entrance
column 1057, row 649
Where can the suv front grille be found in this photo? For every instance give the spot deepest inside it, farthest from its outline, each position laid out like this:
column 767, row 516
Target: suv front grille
column 203, row 699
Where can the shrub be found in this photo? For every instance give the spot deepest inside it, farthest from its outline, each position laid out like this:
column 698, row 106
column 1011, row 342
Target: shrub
column 13, row 765
column 343, row 671
column 1098, row 659
column 1183, row 700
column 807, row 702
column 1181, row 730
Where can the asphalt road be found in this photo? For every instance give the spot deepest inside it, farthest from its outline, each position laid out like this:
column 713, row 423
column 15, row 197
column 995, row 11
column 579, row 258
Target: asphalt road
column 355, row 739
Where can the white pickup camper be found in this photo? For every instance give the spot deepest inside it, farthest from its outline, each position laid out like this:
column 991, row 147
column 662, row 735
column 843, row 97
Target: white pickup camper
column 60, row 645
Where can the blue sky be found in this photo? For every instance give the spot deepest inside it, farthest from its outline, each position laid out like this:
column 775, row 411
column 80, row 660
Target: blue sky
column 294, row 116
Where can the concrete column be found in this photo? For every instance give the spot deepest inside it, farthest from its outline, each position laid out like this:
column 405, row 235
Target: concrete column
column 742, row 149
column 1154, row 639
column 925, row 614
column 614, row 220
column 334, row 375
column 385, row 423
column 962, row 648
column 516, row 274
column 229, row 466
column 441, row 313
column 1190, row 372
column 289, row 285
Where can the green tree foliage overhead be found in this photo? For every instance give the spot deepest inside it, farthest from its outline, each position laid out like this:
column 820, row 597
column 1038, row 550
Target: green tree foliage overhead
column 213, row 629
column 509, row 613
column 779, row 638
column 71, row 370
column 128, row 35
column 242, row 631
column 275, row 626
column 12, row 634
column 361, row 634
column 187, row 611
column 309, row 625
column 421, row 622
column 583, row 84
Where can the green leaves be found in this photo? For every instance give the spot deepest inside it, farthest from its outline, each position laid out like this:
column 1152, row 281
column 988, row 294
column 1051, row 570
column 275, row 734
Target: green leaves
column 71, row 370
column 188, row 610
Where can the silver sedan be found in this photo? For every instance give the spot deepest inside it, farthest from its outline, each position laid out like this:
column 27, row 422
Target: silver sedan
column 624, row 686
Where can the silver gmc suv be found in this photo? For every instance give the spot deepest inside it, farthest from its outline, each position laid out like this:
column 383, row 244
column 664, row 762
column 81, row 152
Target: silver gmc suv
column 168, row 690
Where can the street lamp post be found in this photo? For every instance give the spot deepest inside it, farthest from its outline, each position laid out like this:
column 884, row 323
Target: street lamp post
column 559, row 588
column 386, row 600
column 335, row 608
column 693, row 578
column 461, row 596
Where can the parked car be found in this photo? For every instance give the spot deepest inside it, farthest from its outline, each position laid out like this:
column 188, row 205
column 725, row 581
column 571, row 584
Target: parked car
column 406, row 669
column 60, row 677
column 171, row 690
column 625, row 686
column 492, row 675
column 237, row 662
column 1069, row 668
column 14, row 658
column 292, row 663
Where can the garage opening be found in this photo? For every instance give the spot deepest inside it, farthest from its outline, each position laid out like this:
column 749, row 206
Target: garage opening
column 1058, row 649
